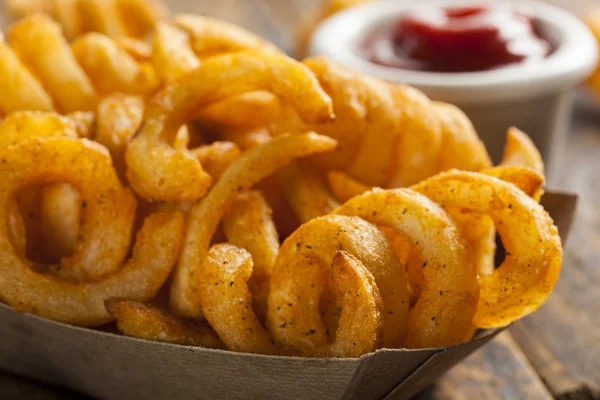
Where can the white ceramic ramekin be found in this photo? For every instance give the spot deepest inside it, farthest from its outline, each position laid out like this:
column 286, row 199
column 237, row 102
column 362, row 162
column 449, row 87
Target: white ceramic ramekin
column 535, row 97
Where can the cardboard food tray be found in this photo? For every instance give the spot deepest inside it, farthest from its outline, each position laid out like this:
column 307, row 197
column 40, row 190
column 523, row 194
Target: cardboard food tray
column 109, row 366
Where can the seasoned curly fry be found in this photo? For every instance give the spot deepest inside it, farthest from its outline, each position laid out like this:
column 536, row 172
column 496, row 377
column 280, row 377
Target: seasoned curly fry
column 444, row 312
column 105, row 236
column 158, row 171
column 389, row 135
column 253, row 166
column 108, row 208
column 181, row 46
column 525, row 278
column 227, row 301
column 300, row 274
column 140, row 320
column 54, row 210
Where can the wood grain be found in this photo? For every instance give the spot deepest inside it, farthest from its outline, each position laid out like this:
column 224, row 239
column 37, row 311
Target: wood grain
column 562, row 338
column 497, row 371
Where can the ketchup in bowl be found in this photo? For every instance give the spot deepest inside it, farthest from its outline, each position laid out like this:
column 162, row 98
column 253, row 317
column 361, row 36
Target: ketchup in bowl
column 457, row 40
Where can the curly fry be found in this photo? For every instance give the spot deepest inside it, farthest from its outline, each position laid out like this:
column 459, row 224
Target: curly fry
column 254, row 165
column 52, row 213
column 158, row 171
column 40, row 45
column 389, row 135
column 140, row 320
column 21, row 90
column 525, row 278
column 116, row 18
column 449, row 277
column 300, row 277
column 111, row 68
column 227, row 301
column 104, row 241
column 210, row 37
column 105, row 236
column 520, row 151
column 95, row 65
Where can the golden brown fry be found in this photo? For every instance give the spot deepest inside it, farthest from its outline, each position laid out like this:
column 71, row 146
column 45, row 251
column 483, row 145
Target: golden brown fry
column 66, row 13
column 248, row 224
column 110, row 68
column 217, row 157
column 103, row 16
column 461, row 147
column 211, row 37
column 521, row 152
column 140, row 320
column 141, row 16
column 344, row 187
column 300, row 276
column 20, row 89
column 420, row 140
column 360, row 328
column 105, row 232
column 306, row 191
column 156, row 170
column 172, row 54
column 389, row 135
column 444, row 312
column 52, row 212
column 227, row 301
column 108, row 208
column 529, row 272
column 253, row 166
column 525, row 178
column 115, row 18
column 39, row 43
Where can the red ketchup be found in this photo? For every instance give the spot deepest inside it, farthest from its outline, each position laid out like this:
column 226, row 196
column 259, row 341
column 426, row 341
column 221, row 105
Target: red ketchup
column 457, row 40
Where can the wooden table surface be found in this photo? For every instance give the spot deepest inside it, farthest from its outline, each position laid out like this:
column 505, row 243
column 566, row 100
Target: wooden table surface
column 554, row 353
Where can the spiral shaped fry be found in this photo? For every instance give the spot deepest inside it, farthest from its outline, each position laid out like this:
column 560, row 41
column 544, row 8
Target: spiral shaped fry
column 156, row 170
column 114, row 18
column 97, row 270
column 39, row 70
column 389, row 135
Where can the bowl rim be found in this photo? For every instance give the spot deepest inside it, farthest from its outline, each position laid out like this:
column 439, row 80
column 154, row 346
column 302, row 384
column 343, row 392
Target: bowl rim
column 574, row 59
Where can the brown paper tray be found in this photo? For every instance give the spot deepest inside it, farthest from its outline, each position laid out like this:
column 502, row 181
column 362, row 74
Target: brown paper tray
column 109, row 366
